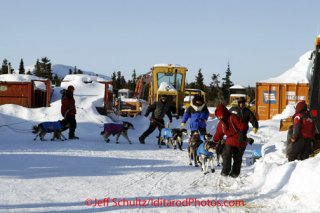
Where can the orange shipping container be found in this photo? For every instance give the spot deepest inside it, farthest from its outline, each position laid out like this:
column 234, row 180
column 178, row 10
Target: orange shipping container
column 272, row 98
column 25, row 93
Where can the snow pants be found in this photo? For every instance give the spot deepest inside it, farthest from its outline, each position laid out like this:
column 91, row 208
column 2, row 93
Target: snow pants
column 232, row 153
column 71, row 120
column 299, row 150
column 154, row 123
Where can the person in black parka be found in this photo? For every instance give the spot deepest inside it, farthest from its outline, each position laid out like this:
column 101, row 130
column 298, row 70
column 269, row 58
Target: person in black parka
column 159, row 109
column 245, row 114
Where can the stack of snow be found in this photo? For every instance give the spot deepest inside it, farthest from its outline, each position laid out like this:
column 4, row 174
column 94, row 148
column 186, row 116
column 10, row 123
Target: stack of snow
column 297, row 74
column 164, row 86
column 287, row 112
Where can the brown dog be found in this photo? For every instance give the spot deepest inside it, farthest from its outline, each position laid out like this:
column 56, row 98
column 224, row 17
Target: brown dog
column 194, row 143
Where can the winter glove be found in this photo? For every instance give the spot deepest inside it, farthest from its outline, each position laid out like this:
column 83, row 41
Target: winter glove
column 254, row 130
column 242, row 137
column 250, row 141
column 183, row 124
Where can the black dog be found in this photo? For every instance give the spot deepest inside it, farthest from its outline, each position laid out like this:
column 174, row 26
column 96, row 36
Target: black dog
column 55, row 127
column 116, row 129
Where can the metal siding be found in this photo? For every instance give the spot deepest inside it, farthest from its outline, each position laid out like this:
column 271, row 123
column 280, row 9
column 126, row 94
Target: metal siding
column 284, row 93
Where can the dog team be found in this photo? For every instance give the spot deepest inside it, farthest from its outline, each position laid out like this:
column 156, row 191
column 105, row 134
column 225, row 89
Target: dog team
column 229, row 141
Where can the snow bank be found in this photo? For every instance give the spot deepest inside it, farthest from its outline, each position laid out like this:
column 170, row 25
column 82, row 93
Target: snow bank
column 287, row 112
column 297, row 74
column 294, row 183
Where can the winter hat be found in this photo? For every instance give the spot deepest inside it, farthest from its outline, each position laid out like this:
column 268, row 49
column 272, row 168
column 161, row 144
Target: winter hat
column 221, row 110
column 197, row 100
column 70, row 88
column 301, row 106
column 241, row 100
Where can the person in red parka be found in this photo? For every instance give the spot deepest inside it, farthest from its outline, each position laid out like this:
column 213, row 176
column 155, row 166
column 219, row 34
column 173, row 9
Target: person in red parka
column 68, row 111
column 231, row 126
column 300, row 146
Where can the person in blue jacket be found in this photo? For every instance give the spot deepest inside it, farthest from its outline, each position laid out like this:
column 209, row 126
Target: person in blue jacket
column 198, row 113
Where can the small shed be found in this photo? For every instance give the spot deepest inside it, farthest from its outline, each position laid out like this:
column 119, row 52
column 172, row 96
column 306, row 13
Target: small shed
column 24, row 90
column 274, row 94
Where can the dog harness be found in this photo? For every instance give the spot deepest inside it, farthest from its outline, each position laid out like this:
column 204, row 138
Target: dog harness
column 113, row 128
column 166, row 133
column 201, row 150
column 51, row 126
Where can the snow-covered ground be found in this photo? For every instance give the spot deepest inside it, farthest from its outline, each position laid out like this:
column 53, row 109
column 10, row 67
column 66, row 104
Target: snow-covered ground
column 80, row 175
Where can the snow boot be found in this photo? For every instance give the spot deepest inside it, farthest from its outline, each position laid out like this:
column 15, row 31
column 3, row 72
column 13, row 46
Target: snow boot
column 141, row 140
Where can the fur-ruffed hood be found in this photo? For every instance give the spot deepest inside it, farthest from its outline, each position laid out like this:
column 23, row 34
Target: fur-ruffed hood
column 197, row 108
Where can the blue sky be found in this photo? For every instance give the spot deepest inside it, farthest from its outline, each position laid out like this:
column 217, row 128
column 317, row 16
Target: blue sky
column 260, row 39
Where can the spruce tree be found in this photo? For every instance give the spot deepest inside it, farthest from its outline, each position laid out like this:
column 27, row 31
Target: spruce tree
column 37, row 68
column 215, row 92
column 56, row 80
column 132, row 83
column 21, row 67
column 29, row 72
column 199, row 81
column 114, row 78
column 70, row 71
column 226, row 84
column 123, row 83
column 5, row 67
column 43, row 68
column 46, row 66
column 75, row 70
column 118, row 80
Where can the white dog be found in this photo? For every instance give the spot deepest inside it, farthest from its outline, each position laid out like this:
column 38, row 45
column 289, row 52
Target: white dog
column 207, row 154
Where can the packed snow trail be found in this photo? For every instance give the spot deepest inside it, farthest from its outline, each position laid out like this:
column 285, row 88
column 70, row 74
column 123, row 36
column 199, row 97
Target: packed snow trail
column 80, row 176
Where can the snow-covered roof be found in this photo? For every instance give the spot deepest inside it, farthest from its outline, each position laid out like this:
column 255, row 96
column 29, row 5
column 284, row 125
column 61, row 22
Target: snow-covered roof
column 84, row 84
column 84, row 77
column 192, row 90
column 168, row 65
column 40, row 85
column 124, row 90
column 238, row 95
column 19, row 78
column 237, row 87
column 297, row 74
